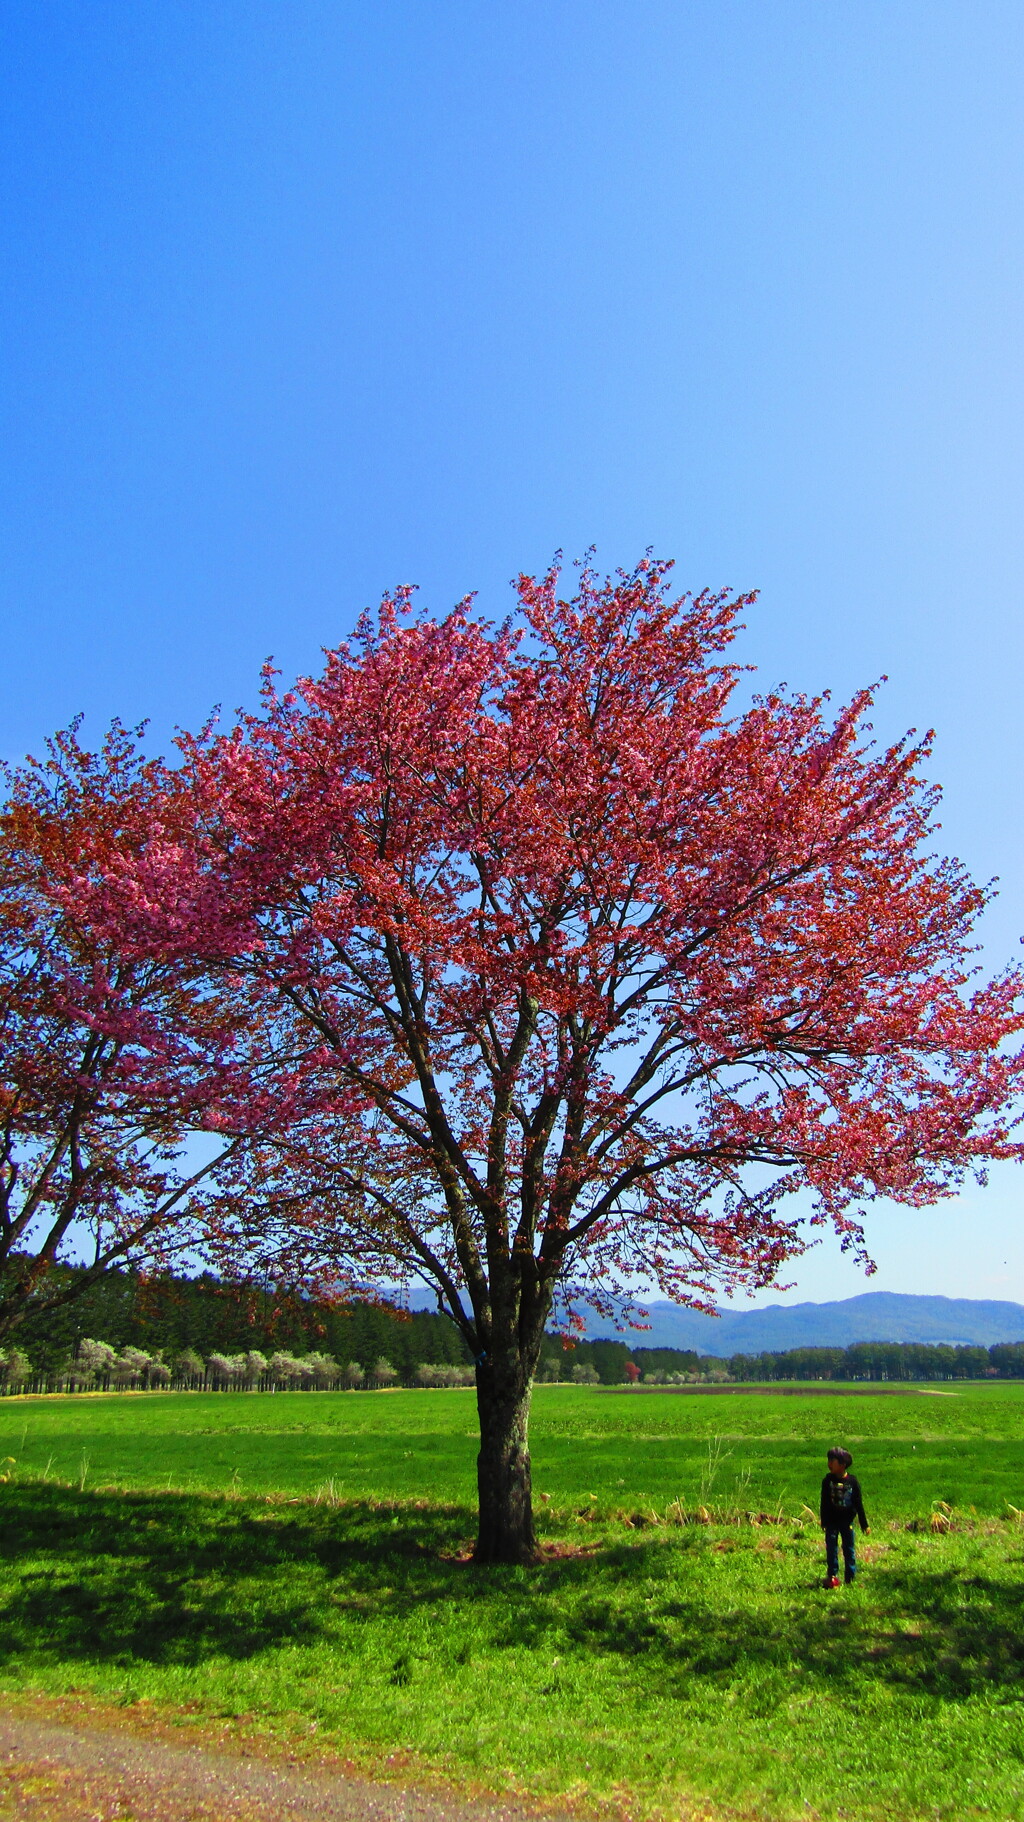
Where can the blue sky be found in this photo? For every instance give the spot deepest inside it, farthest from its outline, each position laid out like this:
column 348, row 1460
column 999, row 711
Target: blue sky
column 297, row 302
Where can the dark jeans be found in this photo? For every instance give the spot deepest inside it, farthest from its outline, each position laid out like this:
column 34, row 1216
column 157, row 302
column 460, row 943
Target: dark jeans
column 832, row 1541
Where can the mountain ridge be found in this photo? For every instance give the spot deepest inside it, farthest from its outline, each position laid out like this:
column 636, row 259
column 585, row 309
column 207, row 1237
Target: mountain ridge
column 871, row 1316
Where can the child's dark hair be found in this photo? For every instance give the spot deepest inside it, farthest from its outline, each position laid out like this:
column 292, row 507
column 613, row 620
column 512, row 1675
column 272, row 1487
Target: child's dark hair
column 842, row 1456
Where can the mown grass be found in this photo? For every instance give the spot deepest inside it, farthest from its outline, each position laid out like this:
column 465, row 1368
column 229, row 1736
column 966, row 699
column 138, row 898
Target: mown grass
column 658, row 1667
column 912, row 1448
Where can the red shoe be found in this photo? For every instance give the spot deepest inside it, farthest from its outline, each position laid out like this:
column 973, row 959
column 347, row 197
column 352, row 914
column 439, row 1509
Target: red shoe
column 831, row 1581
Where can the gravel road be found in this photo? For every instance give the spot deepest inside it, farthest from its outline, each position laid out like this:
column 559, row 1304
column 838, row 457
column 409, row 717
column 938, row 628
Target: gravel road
column 85, row 1773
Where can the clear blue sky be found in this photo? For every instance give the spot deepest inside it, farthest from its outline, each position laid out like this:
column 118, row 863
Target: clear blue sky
column 299, row 301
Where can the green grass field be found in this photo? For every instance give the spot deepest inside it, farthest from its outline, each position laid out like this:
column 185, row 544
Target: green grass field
column 294, row 1561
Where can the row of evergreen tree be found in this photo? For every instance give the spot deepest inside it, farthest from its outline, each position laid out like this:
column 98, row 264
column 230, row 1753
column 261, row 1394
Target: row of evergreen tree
column 171, row 1329
column 169, row 1316
column 97, row 1366
column 885, row 1360
column 616, row 1363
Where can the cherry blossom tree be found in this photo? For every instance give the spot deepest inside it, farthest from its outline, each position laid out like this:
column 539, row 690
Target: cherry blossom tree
column 586, row 970
column 110, row 1062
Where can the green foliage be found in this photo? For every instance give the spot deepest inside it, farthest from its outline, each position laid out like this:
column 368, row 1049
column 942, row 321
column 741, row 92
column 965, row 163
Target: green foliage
column 175, row 1318
column 667, row 1360
column 864, row 1360
column 15, row 1368
column 909, row 1360
column 312, row 1573
column 171, row 1316
column 608, row 1359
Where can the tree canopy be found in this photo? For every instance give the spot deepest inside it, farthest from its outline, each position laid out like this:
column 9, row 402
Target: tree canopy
column 550, row 968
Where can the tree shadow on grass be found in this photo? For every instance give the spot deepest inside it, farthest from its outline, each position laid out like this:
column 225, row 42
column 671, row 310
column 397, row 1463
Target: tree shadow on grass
column 916, row 1626
column 179, row 1578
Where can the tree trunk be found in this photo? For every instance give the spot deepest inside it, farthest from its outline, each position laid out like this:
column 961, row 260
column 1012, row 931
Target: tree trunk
column 505, row 1533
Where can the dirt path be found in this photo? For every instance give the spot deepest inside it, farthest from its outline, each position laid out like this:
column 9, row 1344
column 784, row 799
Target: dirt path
column 84, row 1772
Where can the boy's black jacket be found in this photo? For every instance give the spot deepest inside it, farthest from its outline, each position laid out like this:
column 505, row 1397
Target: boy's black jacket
column 841, row 1503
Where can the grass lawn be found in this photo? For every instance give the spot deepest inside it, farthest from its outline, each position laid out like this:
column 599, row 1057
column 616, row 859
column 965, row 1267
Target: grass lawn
column 293, row 1560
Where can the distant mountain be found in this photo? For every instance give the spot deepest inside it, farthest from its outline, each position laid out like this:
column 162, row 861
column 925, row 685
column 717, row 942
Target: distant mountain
column 875, row 1316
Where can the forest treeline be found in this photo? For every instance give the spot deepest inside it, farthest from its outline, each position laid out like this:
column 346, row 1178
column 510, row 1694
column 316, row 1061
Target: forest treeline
column 169, row 1329
column 167, row 1315
column 615, row 1363
column 885, row 1360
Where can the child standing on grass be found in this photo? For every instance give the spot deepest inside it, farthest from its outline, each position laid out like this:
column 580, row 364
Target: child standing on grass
column 841, row 1503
